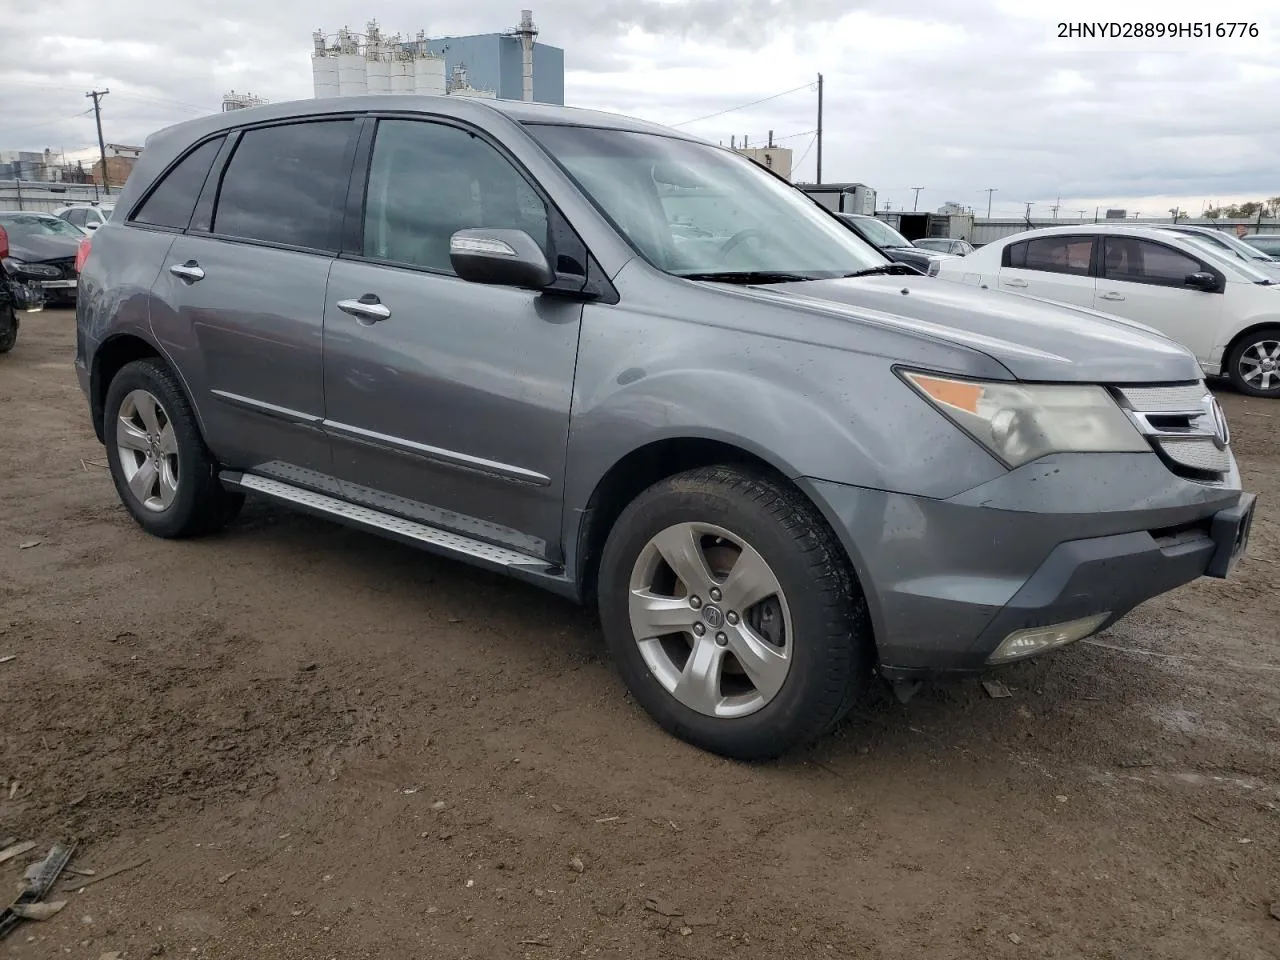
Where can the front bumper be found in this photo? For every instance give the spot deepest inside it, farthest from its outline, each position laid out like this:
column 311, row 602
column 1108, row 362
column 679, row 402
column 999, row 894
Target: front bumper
column 1063, row 539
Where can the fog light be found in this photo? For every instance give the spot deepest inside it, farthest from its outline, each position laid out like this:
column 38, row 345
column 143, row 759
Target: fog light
column 1032, row 640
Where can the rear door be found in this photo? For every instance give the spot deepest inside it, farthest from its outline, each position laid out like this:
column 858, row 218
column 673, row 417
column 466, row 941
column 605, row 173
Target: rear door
column 1055, row 268
column 240, row 300
column 1145, row 280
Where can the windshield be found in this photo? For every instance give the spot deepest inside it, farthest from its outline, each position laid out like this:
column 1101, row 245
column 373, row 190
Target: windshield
column 20, row 226
column 1225, row 260
column 693, row 209
column 881, row 234
column 934, row 244
column 1239, row 247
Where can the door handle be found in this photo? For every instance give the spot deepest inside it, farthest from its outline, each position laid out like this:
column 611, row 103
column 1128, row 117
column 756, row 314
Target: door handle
column 190, row 271
column 368, row 309
column 1111, row 295
column 1015, row 283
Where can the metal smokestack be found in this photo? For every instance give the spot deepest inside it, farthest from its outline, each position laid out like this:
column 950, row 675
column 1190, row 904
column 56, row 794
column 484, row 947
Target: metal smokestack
column 526, row 33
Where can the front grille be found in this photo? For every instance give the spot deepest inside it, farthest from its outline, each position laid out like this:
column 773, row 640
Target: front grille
column 1183, row 424
column 1184, row 397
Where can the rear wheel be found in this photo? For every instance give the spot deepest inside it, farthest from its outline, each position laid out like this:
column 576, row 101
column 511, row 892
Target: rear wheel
column 165, row 475
column 731, row 613
column 1254, row 363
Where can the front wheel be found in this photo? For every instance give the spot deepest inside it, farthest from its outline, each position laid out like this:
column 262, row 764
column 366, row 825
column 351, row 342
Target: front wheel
column 165, row 475
column 1254, row 363
column 730, row 610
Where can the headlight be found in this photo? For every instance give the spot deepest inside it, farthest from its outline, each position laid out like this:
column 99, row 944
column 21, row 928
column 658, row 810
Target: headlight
column 1020, row 422
column 31, row 271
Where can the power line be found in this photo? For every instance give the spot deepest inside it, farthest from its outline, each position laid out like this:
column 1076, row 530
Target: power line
column 48, row 123
column 806, row 152
column 742, row 106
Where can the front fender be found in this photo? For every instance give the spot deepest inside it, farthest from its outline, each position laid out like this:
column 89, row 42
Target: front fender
column 809, row 410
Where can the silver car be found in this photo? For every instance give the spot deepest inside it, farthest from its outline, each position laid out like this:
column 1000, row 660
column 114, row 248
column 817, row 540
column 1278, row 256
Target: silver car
column 641, row 371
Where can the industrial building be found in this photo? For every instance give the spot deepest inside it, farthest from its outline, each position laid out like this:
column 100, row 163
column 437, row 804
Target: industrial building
column 509, row 65
column 777, row 159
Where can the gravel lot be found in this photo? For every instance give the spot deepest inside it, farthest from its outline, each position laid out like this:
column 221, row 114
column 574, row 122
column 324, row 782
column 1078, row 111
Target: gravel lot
column 327, row 745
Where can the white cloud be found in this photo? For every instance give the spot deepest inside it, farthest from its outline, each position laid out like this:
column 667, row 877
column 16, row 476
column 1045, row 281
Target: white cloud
column 956, row 96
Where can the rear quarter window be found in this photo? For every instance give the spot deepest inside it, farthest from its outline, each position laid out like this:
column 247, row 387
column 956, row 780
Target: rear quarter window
column 174, row 197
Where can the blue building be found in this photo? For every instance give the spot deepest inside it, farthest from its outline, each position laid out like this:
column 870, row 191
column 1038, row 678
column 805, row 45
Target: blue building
column 494, row 61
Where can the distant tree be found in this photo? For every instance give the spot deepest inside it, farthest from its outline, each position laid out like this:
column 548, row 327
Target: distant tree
column 1178, row 214
column 1273, row 206
column 1248, row 209
column 1213, row 213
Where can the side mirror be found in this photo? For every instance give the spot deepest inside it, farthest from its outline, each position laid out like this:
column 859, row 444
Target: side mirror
column 1203, row 281
column 508, row 258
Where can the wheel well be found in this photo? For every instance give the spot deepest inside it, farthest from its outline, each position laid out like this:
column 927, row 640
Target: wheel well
column 636, row 472
column 1243, row 334
column 107, row 361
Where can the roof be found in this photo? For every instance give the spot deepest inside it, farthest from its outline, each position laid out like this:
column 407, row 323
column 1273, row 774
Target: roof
column 462, row 107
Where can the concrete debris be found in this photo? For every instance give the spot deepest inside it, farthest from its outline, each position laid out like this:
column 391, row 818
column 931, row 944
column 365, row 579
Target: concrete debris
column 17, row 850
column 40, row 910
column 996, row 690
column 576, row 864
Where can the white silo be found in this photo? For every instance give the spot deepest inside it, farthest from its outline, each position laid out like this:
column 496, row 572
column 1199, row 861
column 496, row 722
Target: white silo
column 351, row 69
column 428, row 73
column 402, row 76
column 324, row 68
column 377, row 75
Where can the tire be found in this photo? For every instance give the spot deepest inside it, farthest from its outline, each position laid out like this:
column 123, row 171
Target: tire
column 816, row 620
column 181, row 496
column 8, row 330
column 1257, row 355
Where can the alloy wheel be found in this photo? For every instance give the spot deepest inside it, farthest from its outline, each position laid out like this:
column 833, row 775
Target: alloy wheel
column 148, row 450
column 711, row 620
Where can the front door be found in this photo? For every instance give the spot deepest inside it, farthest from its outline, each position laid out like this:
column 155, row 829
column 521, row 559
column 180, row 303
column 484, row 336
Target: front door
column 1054, row 267
column 240, row 301
column 448, row 401
column 1145, row 280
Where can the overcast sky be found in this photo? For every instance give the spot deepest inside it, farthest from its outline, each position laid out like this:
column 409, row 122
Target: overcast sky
column 954, row 96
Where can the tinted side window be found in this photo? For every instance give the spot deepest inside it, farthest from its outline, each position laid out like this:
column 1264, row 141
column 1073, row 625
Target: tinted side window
column 172, row 201
column 286, row 185
column 1142, row 261
column 1059, row 255
column 1015, row 255
column 78, row 217
column 428, row 180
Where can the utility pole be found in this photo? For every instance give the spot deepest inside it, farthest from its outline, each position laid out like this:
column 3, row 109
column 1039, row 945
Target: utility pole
column 915, row 204
column 990, row 191
column 770, row 139
column 97, row 96
column 1027, row 215
column 1055, row 208
column 819, row 177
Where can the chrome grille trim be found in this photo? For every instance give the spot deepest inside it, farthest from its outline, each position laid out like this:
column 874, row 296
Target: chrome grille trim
column 1183, row 424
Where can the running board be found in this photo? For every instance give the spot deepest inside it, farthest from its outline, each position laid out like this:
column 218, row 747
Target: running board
column 389, row 525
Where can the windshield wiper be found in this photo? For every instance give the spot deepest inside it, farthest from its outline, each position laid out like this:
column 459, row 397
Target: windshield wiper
column 746, row 276
column 894, row 268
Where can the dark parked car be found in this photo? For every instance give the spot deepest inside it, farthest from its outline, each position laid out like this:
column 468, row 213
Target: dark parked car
column 45, row 246
column 891, row 243
column 776, row 463
column 955, row 247
column 1268, row 243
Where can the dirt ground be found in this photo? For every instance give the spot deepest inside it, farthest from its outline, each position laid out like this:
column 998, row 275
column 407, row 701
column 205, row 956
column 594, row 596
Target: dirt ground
column 327, row 745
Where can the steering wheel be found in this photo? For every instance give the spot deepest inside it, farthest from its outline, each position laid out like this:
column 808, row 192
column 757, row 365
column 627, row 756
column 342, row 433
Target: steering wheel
column 741, row 235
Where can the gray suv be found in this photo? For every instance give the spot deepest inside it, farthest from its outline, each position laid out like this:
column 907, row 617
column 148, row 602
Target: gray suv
column 643, row 372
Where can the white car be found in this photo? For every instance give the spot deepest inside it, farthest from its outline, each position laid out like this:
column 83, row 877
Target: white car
column 1222, row 309
column 86, row 216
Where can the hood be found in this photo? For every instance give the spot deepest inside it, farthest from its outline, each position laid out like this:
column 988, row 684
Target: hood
column 921, row 251
column 1033, row 339
column 34, row 249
